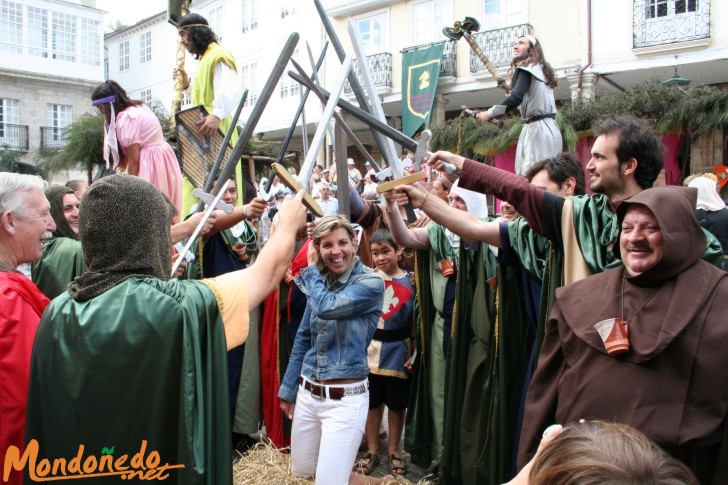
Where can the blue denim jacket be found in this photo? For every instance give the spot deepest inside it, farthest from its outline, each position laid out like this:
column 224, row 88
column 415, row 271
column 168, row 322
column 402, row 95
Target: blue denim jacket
column 337, row 327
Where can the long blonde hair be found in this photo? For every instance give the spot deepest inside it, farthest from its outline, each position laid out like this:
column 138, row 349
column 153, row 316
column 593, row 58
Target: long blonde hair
column 325, row 226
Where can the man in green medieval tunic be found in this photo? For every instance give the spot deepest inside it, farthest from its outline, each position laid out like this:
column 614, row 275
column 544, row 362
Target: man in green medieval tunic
column 62, row 258
column 443, row 295
column 215, row 86
column 132, row 360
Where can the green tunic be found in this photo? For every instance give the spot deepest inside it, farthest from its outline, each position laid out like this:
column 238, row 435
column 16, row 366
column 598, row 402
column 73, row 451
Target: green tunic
column 60, row 263
column 143, row 361
column 423, row 431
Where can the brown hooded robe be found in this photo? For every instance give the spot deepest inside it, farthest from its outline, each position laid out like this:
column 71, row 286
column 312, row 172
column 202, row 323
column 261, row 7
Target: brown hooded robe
column 672, row 384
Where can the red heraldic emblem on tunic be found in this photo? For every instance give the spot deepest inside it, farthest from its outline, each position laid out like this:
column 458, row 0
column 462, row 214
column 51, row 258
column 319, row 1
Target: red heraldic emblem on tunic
column 395, row 295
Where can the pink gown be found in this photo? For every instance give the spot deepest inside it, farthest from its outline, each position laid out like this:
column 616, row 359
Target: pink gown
column 157, row 161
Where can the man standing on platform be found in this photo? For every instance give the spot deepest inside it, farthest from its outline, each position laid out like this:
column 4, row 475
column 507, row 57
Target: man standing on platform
column 216, row 85
column 25, row 220
column 532, row 89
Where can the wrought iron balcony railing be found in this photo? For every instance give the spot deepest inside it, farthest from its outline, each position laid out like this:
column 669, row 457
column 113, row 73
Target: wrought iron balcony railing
column 449, row 60
column 14, row 137
column 380, row 65
column 497, row 45
column 658, row 22
column 52, row 137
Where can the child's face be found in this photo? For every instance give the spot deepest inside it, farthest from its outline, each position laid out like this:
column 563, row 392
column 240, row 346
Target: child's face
column 385, row 257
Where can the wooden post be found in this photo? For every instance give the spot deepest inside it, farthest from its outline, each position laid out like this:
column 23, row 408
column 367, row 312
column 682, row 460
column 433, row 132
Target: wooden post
column 342, row 171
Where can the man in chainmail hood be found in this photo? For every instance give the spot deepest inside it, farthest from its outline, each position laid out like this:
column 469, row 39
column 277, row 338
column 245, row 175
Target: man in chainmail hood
column 62, row 258
column 129, row 355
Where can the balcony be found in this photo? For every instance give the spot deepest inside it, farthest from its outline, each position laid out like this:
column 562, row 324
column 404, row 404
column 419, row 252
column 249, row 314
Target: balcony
column 449, row 60
column 497, row 45
column 52, row 137
column 380, row 66
column 660, row 22
column 14, row 137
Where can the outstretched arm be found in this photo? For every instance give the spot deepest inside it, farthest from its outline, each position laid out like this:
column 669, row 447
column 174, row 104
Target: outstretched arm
column 462, row 223
column 417, row 238
column 259, row 279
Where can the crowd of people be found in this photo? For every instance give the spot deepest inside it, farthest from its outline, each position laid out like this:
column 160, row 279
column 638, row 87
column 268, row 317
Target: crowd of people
column 572, row 338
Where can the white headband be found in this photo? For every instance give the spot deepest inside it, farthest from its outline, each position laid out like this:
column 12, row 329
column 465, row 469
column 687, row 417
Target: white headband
column 531, row 39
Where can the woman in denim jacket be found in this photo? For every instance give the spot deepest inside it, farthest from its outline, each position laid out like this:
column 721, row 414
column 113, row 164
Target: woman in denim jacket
column 326, row 378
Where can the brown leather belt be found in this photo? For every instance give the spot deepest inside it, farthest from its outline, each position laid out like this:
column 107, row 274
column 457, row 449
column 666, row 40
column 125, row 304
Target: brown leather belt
column 320, row 391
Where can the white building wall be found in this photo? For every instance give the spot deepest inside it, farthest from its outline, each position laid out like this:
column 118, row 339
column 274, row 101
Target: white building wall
column 37, row 81
column 154, row 76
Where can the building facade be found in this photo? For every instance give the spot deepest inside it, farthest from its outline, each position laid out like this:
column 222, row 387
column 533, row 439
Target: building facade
column 51, row 60
column 595, row 47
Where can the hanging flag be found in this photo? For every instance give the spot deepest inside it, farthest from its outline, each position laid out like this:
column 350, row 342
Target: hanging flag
column 420, row 72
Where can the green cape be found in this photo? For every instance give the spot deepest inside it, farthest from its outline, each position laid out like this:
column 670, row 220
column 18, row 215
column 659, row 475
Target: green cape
column 145, row 360
column 60, row 263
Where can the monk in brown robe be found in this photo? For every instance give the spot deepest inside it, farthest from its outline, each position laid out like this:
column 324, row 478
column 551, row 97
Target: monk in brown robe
column 670, row 382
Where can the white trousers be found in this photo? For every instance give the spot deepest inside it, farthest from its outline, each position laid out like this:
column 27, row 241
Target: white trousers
column 326, row 434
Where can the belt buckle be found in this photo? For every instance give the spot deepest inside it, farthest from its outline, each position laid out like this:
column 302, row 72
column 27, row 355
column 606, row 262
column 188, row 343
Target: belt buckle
column 320, row 394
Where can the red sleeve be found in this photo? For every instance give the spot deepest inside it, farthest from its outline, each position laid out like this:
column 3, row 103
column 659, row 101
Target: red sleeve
column 526, row 198
column 18, row 324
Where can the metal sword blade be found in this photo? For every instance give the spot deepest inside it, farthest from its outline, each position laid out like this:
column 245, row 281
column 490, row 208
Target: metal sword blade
column 268, row 89
column 326, row 116
column 196, row 232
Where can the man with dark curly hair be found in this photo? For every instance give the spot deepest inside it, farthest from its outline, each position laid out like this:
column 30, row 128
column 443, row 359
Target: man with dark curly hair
column 215, row 86
column 532, row 83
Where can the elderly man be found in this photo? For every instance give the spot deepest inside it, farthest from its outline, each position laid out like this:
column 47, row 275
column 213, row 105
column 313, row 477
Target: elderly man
column 147, row 368
column 666, row 375
column 24, row 221
column 62, row 257
column 329, row 205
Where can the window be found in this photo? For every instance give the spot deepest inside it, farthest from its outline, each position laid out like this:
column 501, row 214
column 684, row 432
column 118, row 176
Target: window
column 249, row 77
column 11, row 27
column 37, row 32
column 146, row 96
column 427, row 20
column 145, row 47
column 498, row 14
column 662, row 22
column 59, row 116
column 9, row 115
column 289, row 87
column 250, row 15
column 656, row 8
column 683, row 6
column 664, row 8
column 373, row 32
column 186, row 101
column 90, row 42
column 63, row 37
column 214, row 18
column 124, row 55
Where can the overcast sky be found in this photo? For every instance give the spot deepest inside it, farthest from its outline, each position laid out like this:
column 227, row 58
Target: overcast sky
column 129, row 12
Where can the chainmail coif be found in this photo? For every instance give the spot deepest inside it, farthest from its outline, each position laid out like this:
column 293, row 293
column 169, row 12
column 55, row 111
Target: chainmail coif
column 124, row 226
column 55, row 194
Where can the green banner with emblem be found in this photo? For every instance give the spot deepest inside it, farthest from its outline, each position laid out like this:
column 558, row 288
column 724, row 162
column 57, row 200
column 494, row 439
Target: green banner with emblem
column 420, row 72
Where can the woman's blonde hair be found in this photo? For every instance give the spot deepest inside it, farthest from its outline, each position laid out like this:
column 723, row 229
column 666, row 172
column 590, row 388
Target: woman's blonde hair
column 603, row 453
column 325, row 226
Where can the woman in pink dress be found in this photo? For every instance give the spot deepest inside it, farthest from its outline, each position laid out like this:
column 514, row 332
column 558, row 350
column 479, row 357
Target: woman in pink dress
column 134, row 139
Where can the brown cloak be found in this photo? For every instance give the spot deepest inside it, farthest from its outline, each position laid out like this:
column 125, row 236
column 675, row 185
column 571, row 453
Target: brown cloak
column 672, row 384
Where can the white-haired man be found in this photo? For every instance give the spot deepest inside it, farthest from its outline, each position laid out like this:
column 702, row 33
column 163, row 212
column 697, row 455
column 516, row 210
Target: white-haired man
column 25, row 220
